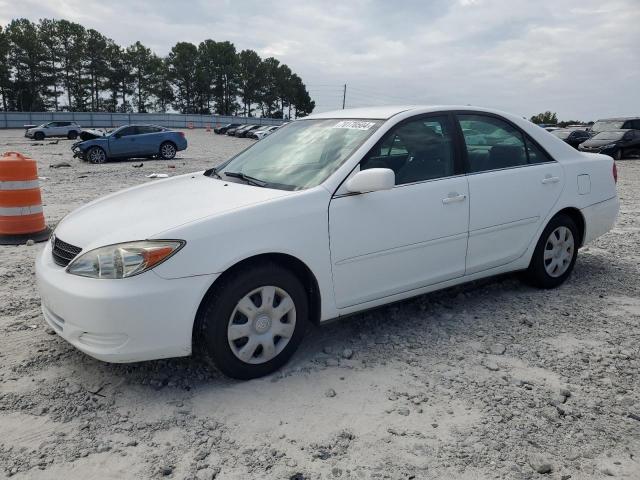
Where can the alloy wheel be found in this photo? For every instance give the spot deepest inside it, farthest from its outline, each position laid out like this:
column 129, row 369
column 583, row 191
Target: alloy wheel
column 97, row 155
column 168, row 151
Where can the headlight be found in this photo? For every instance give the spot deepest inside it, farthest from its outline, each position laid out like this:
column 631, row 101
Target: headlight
column 611, row 145
column 124, row 260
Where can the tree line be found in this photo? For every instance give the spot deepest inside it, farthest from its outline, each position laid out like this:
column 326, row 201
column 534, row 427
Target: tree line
column 551, row 118
column 59, row 65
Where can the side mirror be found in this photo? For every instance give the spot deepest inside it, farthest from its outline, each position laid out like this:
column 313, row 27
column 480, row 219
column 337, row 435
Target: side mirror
column 371, row 180
column 117, row 135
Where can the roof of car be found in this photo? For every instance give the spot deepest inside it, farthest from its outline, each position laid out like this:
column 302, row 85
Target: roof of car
column 618, row 119
column 388, row 111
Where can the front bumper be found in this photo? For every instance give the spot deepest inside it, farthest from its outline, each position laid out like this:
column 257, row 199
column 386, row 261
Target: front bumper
column 77, row 151
column 144, row 317
column 28, row 134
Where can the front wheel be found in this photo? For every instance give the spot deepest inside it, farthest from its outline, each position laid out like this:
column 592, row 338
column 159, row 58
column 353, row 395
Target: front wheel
column 72, row 135
column 253, row 322
column 167, row 151
column 39, row 136
column 96, row 155
column 555, row 254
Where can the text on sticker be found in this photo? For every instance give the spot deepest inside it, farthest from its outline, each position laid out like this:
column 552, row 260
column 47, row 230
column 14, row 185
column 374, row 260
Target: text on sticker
column 354, row 125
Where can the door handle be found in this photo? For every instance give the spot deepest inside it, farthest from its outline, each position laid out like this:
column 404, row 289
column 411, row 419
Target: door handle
column 454, row 197
column 550, row 179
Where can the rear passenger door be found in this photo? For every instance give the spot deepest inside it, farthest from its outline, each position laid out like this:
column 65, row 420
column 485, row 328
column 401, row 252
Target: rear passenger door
column 513, row 184
column 148, row 140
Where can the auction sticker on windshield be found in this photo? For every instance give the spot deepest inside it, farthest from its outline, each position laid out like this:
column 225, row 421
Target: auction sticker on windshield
column 354, row 125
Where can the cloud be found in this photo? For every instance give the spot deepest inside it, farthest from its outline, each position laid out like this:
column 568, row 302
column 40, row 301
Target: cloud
column 577, row 57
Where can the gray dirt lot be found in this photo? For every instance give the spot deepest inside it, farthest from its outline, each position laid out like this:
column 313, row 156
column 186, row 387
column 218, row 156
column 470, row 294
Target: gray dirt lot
column 491, row 380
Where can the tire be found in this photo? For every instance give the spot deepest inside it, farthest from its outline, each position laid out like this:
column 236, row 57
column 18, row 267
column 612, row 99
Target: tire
column 38, row 136
column 562, row 235
column 96, row 155
column 167, row 150
column 618, row 154
column 72, row 135
column 223, row 334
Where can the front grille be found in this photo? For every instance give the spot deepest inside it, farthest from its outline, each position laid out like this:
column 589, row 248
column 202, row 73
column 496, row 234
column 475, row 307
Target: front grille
column 63, row 252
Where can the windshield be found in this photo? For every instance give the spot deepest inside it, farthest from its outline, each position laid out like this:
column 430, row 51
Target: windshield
column 609, row 136
column 606, row 125
column 302, row 154
column 563, row 134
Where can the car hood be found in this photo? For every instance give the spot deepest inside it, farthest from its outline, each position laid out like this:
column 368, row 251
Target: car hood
column 598, row 143
column 89, row 134
column 145, row 211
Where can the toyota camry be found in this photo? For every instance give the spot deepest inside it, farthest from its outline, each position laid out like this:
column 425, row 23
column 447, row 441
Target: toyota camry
column 329, row 215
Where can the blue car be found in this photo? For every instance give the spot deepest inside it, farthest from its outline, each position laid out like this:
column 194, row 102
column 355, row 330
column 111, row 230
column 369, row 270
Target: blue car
column 130, row 141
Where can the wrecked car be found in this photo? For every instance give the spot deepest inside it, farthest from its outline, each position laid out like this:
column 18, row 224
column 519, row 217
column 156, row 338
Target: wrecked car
column 131, row 141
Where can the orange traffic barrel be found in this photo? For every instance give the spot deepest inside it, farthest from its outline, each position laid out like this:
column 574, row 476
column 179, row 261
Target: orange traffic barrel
column 21, row 216
column 208, row 127
column 190, row 125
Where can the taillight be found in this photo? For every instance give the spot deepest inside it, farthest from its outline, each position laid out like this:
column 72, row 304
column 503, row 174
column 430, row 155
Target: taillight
column 615, row 172
column 181, row 134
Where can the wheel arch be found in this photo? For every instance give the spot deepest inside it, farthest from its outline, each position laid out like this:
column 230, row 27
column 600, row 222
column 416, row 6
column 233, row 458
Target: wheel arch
column 101, row 147
column 168, row 140
column 576, row 215
column 294, row 264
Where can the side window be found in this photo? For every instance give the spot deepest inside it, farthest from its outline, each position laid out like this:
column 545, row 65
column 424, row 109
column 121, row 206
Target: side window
column 416, row 151
column 147, row 129
column 635, row 124
column 491, row 143
column 535, row 154
column 125, row 132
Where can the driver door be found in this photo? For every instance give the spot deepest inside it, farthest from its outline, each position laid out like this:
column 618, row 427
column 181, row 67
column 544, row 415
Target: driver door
column 393, row 241
column 122, row 143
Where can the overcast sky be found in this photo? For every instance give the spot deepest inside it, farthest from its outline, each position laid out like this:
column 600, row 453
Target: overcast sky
column 580, row 58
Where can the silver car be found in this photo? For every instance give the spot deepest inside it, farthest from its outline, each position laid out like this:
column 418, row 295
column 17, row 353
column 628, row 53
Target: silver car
column 71, row 130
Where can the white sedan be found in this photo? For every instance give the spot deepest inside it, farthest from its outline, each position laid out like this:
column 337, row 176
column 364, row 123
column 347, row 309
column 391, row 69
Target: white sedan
column 329, row 215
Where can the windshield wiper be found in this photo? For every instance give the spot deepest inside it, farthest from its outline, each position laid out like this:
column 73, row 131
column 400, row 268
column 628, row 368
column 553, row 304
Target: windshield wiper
column 212, row 172
column 251, row 180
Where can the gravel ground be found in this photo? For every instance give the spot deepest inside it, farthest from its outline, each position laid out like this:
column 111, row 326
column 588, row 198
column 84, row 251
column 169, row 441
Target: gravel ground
column 489, row 380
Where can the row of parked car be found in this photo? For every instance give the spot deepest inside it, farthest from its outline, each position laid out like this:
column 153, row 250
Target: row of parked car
column 616, row 137
column 243, row 130
column 132, row 141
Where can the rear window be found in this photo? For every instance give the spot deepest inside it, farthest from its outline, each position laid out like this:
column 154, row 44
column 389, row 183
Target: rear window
column 563, row 134
column 607, row 125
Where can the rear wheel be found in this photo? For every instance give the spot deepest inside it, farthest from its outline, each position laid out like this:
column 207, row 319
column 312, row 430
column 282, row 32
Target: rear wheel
column 167, row 151
column 38, row 136
column 555, row 254
column 72, row 135
column 254, row 321
column 618, row 155
column 96, row 155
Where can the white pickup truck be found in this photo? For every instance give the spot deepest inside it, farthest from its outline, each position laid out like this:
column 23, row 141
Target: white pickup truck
column 71, row 130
